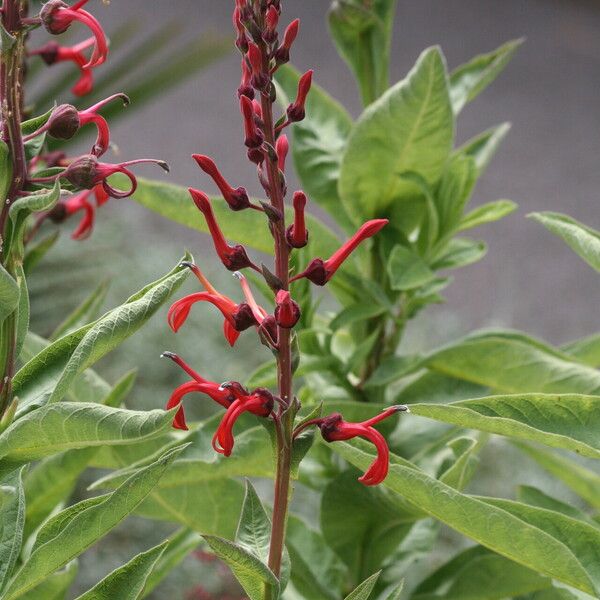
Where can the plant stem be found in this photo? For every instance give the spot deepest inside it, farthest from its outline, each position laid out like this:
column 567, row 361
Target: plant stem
column 11, row 102
column 284, row 353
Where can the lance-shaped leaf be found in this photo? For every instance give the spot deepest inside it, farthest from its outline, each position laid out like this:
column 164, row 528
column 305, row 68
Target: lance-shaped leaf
column 583, row 481
column 514, row 363
column 534, row 497
column 586, row 350
column 67, row 425
column 483, row 146
column 9, row 294
column 127, row 582
column 56, row 586
column 569, row 421
column 470, row 79
column 488, row 213
column 409, row 129
column 319, row 143
column 50, row 374
column 525, row 542
column 363, row 591
column 68, row 534
column 478, row 574
column 12, row 521
column 582, row 239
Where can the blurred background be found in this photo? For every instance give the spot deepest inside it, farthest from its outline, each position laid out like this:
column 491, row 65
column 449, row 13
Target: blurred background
column 549, row 161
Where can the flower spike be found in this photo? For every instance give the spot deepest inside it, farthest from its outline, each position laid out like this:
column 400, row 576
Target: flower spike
column 320, row 271
column 236, row 198
column 233, row 257
column 199, row 385
column 260, row 403
column 57, row 17
column 295, row 111
column 335, row 429
column 296, row 234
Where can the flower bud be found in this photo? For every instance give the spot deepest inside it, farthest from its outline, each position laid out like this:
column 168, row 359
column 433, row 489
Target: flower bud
column 282, row 54
column 64, row 122
column 83, row 172
column 287, row 311
column 295, row 111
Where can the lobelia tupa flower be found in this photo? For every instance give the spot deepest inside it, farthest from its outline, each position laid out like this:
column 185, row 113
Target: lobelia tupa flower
column 267, row 147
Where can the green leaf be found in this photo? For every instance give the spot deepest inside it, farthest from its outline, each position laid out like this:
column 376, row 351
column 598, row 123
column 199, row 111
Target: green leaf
column 568, row 421
column 65, row 538
column 37, row 250
column 363, row 591
column 32, row 125
column 583, row 481
column 252, row 574
column 528, row 543
column 470, row 79
column 12, row 521
column 9, row 294
column 318, row 144
column 120, row 391
column 407, row 270
column 87, row 311
column 5, row 170
column 317, row 573
column 530, row 495
column 483, row 146
column 586, row 350
column 127, row 582
column 356, row 314
column 478, row 574
column 460, row 252
column 393, row 368
column 49, row 375
column 66, row 425
column 514, row 363
column 362, row 34
column 178, row 546
column 410, row 128
column 254, row 527
column 488, row 213
column 247, row 227
column 583, row 240
column 55, row 586
column 397, row 593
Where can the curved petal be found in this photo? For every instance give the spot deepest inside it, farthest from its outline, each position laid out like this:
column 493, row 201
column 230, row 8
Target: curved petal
column 231, row 334
column 223, row 440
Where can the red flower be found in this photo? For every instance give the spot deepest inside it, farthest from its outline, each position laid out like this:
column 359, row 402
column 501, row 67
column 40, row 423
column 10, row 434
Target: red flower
column 295, row 111
column 200, row 385
column 238, row 317
column 320, row 271
column 236, row 198
column 66, row 121
column 296, row 234
column 87, row 172
column 260, row 403
column 57, row 17
column 254, row 136
column 335, row 429
column 77, row 203
column 282, row 147
column 282, row 54
column 246, row 88
column 287, row 312
column 233, row 257
column 52, row 53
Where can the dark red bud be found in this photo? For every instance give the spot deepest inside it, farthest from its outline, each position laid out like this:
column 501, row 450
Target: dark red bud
column 268, row 331
column 296, row 234
column 83, row 172
column 48, row 13
column 64, row 122
column 254, row 136
column 244, row 317
column 295, row 111
column 282, row 54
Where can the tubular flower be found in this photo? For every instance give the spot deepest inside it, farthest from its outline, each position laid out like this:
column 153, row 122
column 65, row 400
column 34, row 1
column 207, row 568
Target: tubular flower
column 236, row 198
column 282, row 54
column 66, row 121
column 287, row 311
column 259, row 78
column 260, row 403
column 295, row 111
column 222, row 396
column 282, row 147
column 52, row 53
column 254, row 136
column 77, row 203
column 57, row 17
column 246, row 88
column 233, row 257
column 320, row 271
column 238, row 317
column 335, row 429
column 87, row 172
column 296, row 234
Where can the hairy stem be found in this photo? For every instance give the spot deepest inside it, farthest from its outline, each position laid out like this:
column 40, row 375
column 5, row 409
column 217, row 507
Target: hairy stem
column 11, row 102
